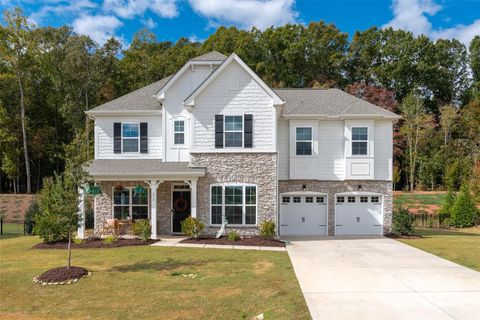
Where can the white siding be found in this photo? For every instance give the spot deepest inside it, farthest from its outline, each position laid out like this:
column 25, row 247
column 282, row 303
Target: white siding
column 383, row 150
column 331, row 164
column 283, row 149
column 234, row 92
column 104, row 137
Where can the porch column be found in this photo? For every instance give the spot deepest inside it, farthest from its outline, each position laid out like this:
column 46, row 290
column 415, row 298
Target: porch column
column 153, row 207
column 193, row 198
column 81, row 213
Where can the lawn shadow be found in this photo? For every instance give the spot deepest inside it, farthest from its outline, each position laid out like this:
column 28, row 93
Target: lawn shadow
column 169, row 264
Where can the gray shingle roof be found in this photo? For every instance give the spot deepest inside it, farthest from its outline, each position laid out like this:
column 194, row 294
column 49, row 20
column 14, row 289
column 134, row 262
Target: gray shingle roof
column 211, row 56
column 141, row 99
column 141, row 167
column 328, row 102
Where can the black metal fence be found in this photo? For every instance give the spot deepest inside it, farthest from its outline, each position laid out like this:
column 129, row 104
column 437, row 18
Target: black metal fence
column 12, row 227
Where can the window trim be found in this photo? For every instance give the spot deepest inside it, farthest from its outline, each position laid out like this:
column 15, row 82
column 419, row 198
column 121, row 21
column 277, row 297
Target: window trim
column 240, row 131
column 182, row 132
column 244, row 205
column 311, row 141
column 130, row 203
column 130, row 138
column 352, row 141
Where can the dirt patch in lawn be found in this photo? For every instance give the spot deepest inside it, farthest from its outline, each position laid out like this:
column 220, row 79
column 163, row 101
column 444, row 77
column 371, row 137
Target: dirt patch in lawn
column 97, row 243
column 62, row 274
column 399, row 236
column 249, row 241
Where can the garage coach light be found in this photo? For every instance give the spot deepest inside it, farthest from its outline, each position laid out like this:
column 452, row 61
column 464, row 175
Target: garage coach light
column 304, row 187
column 359, row 187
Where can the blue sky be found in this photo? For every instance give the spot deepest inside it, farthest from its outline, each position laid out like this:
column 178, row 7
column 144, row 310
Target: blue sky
column 197, row 19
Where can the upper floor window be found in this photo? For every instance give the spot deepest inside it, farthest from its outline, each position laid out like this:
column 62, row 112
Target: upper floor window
column 359, row 141
column 233, row 131
column 179, row 131
column 130, row 137
column 303, row 136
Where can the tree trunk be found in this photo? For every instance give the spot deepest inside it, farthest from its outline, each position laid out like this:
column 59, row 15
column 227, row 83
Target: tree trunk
column 69, row 248
column 24, row 135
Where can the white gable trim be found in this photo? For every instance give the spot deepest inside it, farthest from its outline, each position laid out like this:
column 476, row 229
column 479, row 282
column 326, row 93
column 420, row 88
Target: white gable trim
column 160, row 95
column 190, row 101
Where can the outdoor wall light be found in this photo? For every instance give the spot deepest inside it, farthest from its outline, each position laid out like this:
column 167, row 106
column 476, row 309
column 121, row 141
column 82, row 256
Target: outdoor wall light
column 304, row 187
column 359, row 187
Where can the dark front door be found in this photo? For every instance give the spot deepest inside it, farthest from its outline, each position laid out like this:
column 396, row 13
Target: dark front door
column 180, row 209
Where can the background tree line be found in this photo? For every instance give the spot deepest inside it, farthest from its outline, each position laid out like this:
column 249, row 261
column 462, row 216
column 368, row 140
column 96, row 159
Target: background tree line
column 50, row 76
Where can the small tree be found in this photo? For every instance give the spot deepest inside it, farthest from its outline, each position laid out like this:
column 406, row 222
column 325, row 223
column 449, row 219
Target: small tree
column 402, row 221
column 446, row 209
column 58, row 205
column 464, row 212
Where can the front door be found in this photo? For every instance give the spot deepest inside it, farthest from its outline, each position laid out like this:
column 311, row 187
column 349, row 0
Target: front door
column 180, row 209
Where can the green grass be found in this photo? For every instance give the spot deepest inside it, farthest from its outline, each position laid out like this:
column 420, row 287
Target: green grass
column 11, row 230
column 462, row 246
column 146, row 282
column 419, row 201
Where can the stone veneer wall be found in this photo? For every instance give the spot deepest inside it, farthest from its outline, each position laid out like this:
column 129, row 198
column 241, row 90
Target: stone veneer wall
column 254, row 168
column 103, row 203
column 334, row 187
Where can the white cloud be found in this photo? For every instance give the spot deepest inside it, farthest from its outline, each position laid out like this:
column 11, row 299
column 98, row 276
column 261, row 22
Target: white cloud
column 99, row 28
column 148, row 23
column 246, row 13
column 413, row 15
column 61, row 8
column 129, row 9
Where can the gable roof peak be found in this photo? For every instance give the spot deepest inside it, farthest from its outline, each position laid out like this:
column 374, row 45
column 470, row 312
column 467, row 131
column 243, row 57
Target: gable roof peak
column 210, row 56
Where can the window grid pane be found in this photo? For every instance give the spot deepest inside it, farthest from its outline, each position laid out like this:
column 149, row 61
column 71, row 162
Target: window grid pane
column 233, row 139
column 304, row 148
column 340, row 199
column 296, row 199
column 233, row 214
column 216, row 195
column 139, row 212
column 121, row 197
column 217, row 215
column 304, row 134
column 179, row 138
column 286, row 199
column 359, row 134
column 250, row 215
column 233, row 123
column 130, row 145
column 140, row 198
column 250, row 195
column 359, row 148
column 130, row 130
column 179, row 126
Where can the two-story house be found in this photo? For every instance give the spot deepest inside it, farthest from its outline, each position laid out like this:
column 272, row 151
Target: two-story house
column 214, row 142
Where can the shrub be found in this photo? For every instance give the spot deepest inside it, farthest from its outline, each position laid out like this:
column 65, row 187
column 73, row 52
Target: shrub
column 267, row 229
column 110, row 239
column 233, row 236
column 30, row 215
column 78, row 241
column 464, row 211
column 402, row 221
column 142, row 229
column 192, row 227
column 50, row 228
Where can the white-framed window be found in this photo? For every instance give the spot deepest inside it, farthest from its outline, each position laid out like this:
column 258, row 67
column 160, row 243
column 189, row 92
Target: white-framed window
column 130, row 137
column 363, row 199
column 296, row 199
column 375, row 199
column 340, row 199
column 179, row 132
column 351, row 199
column 309, row 199
column 321, row 199
column 303, row 141
column 233, row 131
column 235, row 202
column 129, row 205
column 359, row 141
column 285, row 199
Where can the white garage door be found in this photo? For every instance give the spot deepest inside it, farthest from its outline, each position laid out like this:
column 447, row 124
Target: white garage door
column 358, row 215
column 303, row 215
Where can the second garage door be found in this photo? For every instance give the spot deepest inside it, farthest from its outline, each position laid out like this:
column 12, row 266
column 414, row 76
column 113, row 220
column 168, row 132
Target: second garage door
column 358, row 214
column 303, row 214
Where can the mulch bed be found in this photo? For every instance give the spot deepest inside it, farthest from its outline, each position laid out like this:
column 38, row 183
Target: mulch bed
column 399, row 236
column 96, row 243
column 61, row 275
column 248, row 241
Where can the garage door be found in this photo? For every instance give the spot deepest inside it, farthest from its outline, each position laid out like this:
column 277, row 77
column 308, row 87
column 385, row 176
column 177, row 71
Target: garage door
column 358, row 215
column 303, row 215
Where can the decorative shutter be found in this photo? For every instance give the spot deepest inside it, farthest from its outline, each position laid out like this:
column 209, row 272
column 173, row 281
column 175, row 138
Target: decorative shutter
column 117, row 137
column 219, row 131
column 248, row 130
column 143, row 137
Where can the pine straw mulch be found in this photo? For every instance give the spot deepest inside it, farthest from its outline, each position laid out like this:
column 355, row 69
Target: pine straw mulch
column 247, row 241
column 61, row 275
column 399, row 236
column 94, row 243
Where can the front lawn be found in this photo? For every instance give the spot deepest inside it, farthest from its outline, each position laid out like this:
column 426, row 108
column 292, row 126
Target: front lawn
column 461, row 246
column 429, row 202
column 148, row 282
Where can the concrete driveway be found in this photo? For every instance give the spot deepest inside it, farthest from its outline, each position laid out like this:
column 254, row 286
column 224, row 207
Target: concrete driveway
column 382, row 279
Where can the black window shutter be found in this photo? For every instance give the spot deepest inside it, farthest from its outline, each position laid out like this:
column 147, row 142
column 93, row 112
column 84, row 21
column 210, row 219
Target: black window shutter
column 248, row 130
column 218, row 131
column 117, row 137
column 143, row 137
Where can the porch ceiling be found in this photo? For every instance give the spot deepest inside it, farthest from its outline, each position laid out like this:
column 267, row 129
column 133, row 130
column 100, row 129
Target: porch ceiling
column 134, row 169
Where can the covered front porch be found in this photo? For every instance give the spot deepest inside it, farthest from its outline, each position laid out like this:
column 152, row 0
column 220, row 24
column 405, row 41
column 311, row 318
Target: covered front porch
column 165, row 193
